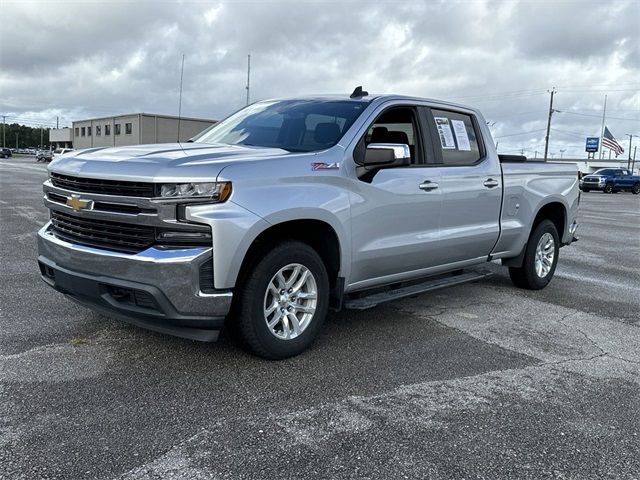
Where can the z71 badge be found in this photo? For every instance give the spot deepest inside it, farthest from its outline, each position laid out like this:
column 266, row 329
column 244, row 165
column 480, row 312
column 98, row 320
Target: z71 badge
column 325, row 166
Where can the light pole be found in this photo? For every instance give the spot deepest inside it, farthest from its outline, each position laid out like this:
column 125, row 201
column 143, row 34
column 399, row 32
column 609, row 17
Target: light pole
column 562, row 150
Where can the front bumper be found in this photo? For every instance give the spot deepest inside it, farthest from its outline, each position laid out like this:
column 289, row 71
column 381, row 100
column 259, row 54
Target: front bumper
column 156, row 289
column 592, row 186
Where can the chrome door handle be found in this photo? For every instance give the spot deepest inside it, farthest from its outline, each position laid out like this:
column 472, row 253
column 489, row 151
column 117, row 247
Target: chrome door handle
column 490, row 183
column 427, row 186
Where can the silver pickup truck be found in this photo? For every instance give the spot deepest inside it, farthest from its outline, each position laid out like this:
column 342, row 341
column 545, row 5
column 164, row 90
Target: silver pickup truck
column 290, row 207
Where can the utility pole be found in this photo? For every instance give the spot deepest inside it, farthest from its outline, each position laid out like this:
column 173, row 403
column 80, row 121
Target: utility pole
column 604, row 113
column 41, row 146
column 562, row 150
column 179, row 101
column 16, row 141
column 57, row 122
column 3, row 128
column 633, row 164
column 630, row 135
column 248, row 76
column 536, row 154
column 546, row 140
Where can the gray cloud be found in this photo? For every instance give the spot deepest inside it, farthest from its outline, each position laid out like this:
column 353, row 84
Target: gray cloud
column 76, row 59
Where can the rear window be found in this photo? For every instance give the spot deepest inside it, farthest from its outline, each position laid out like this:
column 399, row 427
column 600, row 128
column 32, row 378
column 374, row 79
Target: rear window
column 458, row 141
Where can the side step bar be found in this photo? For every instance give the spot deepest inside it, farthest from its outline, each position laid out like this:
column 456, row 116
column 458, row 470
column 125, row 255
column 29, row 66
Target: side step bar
column 370, row 301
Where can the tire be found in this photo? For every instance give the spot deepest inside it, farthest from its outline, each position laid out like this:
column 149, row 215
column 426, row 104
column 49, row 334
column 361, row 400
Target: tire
column 636, row 189
column 258, row 294
column 529, row 275
column 586, row 190
column 608, row 188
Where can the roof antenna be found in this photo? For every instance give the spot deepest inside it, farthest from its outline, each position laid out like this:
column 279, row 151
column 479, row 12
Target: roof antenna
column 180, row 98
column 358, row 92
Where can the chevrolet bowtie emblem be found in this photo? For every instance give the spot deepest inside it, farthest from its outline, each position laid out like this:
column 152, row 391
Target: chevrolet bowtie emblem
column 75, row 202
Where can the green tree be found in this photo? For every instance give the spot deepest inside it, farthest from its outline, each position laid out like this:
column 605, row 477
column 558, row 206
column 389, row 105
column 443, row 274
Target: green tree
column 27, row 137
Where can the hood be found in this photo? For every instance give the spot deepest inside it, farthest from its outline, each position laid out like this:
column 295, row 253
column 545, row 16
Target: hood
column 167, row 162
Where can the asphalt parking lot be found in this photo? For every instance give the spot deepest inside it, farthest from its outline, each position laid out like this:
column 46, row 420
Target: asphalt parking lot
column 478, row 381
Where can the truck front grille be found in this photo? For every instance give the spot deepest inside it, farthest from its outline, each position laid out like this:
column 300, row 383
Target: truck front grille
column 121, row 237
column 104, row 187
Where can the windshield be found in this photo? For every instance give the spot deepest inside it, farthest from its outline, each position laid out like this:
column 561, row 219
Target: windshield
column 293, row 125
column 603, row 171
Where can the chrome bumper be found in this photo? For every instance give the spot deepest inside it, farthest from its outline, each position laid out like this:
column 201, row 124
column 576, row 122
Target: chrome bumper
column 155, row 289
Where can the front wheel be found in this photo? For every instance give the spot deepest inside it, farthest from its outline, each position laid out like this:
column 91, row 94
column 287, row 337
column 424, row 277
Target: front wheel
column 636, row 189
column 283, row 301
column 586, row 190
column 608, row 188
column 540, row 259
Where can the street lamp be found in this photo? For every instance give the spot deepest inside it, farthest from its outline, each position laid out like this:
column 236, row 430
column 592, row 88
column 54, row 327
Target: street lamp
column 562, row 150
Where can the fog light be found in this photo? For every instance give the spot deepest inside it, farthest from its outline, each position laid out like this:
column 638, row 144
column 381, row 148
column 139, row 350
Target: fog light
column 181, row 236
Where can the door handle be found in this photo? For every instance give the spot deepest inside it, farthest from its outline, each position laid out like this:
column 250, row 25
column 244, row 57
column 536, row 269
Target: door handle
column 490, row 183
column 428, row 185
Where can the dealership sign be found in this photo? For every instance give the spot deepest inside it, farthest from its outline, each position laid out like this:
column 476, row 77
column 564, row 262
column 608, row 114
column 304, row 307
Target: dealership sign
column 592, row 144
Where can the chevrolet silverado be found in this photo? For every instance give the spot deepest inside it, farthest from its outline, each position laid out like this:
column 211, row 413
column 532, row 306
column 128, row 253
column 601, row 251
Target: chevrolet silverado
column 288, row 208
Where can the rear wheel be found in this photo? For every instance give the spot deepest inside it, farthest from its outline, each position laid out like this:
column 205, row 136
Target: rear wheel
column 608, row 188
column 283, row 301
column 585, row 190
column 540, row 259
column 636, row 189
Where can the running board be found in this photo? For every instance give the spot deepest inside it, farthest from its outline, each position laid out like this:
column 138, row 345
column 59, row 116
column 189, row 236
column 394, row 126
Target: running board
column 370, row 301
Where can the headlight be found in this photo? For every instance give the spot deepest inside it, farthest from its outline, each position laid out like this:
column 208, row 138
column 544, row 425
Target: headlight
column 216, row 191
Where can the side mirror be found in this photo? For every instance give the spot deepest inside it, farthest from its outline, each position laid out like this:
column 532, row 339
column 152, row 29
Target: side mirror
column 386, row 155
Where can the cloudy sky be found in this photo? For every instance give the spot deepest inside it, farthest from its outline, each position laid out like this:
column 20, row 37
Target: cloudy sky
column 80, row 59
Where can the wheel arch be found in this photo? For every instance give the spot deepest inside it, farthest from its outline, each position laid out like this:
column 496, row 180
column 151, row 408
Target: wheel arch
column 318, row 234
column 553, row 210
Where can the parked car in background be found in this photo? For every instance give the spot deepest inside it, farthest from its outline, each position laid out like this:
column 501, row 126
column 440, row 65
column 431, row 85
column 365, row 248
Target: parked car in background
column 5, row 153
column 61, row 151
column 44, row 156
column 611, row 180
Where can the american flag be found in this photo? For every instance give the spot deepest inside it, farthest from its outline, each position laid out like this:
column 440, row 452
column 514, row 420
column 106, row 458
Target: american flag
column 611, row 143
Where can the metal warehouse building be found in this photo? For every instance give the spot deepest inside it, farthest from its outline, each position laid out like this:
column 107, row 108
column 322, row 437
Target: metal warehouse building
column 135, row 129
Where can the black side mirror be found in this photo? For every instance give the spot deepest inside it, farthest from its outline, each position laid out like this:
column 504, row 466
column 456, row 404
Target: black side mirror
column 386, row 155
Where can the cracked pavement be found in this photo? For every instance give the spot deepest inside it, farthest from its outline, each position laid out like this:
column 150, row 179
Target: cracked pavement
column 480, row 381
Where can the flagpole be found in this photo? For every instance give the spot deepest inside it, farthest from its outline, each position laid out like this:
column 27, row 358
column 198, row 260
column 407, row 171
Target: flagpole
column 604, row 112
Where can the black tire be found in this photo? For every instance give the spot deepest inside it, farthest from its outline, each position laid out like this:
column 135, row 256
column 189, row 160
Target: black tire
column 608, row 188
column 586, row 190
column 636, row 189
column 526, row 275
column 250, row 322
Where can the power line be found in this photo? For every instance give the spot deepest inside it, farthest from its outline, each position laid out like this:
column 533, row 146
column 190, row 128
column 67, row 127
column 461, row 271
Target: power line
column 599, row 116
column 521, row 133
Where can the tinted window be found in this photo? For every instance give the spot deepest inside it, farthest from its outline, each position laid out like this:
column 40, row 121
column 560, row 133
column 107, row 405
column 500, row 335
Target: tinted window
column 603, row 171
column 294, row 125
column 458, row 141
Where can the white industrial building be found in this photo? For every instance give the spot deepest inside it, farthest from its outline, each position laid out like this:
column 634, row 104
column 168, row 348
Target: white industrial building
column 61, row 137
column 135, row 129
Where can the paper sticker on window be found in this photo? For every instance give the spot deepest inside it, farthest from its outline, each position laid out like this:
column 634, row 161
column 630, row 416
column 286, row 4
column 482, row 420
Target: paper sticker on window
column 460, row 129
column 444, row 132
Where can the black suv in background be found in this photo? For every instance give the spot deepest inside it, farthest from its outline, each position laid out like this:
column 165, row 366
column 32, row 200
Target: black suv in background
column 5, row 153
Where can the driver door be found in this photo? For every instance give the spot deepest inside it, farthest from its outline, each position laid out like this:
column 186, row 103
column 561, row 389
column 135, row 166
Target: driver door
column 396, row 211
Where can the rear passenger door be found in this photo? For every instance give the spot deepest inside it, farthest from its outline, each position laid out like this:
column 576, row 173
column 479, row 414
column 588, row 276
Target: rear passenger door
column 471, row 186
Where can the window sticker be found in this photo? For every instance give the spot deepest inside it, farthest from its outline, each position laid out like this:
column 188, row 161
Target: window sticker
column 444, row 132
column 460, row 129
